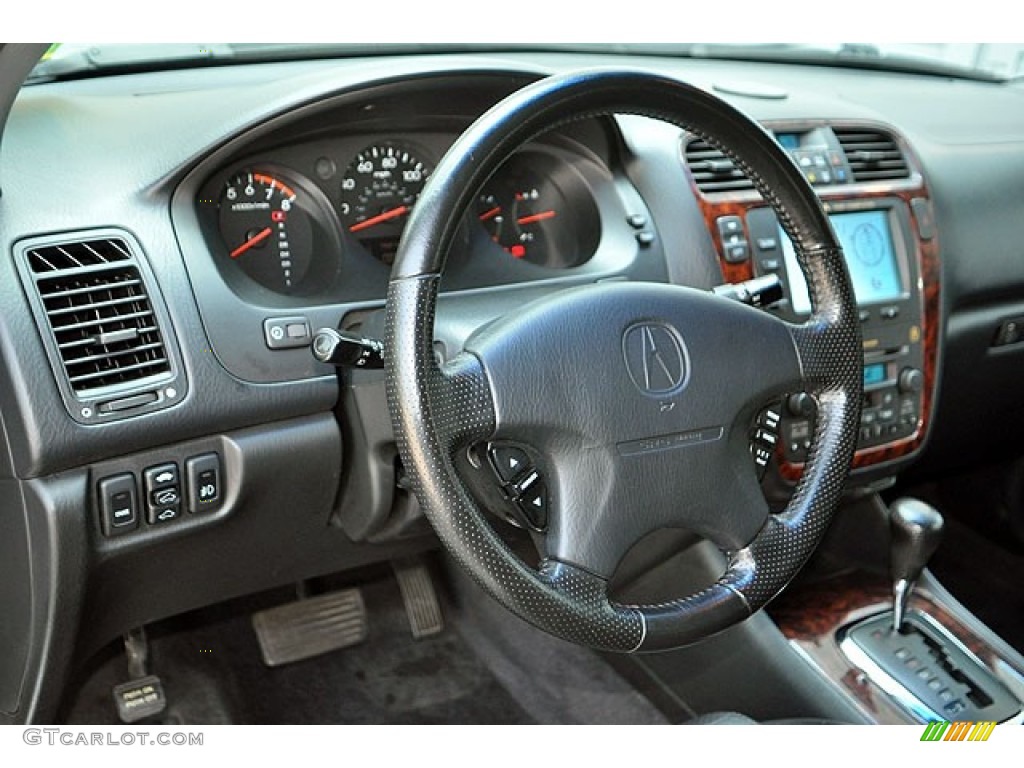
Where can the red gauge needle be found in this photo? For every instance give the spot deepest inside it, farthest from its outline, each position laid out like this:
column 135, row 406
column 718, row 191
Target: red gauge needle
column 394, row 213
column 491, row 213
column 536, row 217
column 256, row 239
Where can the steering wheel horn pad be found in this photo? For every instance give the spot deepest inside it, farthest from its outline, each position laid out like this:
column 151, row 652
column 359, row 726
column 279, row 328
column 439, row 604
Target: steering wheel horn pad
column 642, row 421
column 637, row 396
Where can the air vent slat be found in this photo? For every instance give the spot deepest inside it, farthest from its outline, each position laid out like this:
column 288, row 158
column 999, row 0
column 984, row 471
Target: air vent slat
column 872, row 155
column 160, row 364
column 95, row 306
column 77, row 291
column 114, row 355
column 101, row 321
column 56, row 258
column 712, row 171
column 99, row 313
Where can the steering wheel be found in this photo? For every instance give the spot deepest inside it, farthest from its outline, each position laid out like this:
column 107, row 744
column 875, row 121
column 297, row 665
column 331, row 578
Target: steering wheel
column 638, row 398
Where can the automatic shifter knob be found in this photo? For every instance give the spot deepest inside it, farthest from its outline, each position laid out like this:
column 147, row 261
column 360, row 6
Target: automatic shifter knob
column 916, row 531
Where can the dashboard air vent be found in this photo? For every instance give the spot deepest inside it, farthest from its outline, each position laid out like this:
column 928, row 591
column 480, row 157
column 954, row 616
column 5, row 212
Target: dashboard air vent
column 713, row 171
column 100, row 315
column 103, row 323
column 55, row 258
column 872, row 154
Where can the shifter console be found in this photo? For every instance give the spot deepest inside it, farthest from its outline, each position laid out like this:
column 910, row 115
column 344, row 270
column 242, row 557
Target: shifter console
column 927, row 671
column 911, row 657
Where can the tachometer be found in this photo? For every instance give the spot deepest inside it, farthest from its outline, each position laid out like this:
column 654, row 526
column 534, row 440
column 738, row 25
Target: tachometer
column 378, row 191
column 271, row 228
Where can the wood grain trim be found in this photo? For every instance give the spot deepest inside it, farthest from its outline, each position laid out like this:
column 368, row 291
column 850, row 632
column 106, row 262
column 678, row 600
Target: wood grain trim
column 810, row 616
column 929, row 290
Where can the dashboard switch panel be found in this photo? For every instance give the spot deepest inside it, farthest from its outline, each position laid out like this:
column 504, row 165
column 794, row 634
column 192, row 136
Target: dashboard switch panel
column 286, row 332
column 204, row 483
column 162, row 485
column 119, row 504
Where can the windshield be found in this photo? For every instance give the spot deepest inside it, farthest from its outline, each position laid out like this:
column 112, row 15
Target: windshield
column 987, row 61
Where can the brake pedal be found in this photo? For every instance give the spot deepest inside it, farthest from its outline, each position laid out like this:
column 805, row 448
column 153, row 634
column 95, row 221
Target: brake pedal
column 310, row 627
column 419, row 596
column 143, row 695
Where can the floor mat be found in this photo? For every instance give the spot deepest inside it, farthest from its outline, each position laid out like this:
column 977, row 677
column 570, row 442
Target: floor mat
column 557, row 682
column 210, row 664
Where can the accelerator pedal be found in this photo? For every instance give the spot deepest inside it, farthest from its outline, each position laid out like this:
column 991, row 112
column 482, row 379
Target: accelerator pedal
column 421, row 604
column 310, row 627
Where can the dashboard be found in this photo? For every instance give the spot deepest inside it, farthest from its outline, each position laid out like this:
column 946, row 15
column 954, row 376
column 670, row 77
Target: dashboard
column 175, row 239
column 299, row 227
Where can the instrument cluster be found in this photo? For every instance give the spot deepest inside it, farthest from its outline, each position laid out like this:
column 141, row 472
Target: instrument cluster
column 325, row 218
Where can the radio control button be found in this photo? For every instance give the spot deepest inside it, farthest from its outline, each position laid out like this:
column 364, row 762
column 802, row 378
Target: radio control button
column 911, row 380
column 885, row 397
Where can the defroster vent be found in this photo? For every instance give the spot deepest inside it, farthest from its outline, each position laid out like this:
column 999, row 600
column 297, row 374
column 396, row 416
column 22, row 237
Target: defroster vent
column 105, row 328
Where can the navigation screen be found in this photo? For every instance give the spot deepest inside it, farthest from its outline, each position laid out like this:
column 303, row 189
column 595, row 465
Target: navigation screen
column 870, row 257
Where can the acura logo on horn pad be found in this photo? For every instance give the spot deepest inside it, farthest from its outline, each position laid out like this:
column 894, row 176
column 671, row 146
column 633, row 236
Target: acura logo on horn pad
column 656, row 358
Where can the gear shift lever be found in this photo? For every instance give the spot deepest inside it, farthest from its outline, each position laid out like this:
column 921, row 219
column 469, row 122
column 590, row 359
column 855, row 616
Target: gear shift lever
column 916, row 531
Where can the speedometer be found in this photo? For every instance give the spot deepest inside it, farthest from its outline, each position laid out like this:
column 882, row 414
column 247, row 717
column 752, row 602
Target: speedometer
column 379, row 188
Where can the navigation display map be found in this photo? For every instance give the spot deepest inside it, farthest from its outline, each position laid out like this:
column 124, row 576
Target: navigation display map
column 870, row 257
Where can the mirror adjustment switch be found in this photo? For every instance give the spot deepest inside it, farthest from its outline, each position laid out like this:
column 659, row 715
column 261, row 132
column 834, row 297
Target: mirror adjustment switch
column 204, row 483
column 119, row 504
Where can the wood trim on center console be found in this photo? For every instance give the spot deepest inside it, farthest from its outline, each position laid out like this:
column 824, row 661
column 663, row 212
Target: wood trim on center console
column 925, row 249
column 810, row 617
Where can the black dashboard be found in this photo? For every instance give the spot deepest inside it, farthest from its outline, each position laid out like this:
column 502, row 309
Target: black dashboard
column 208, row 221
column 297, row 224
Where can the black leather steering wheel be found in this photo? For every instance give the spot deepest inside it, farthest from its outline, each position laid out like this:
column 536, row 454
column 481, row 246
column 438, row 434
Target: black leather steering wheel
column 623, row 452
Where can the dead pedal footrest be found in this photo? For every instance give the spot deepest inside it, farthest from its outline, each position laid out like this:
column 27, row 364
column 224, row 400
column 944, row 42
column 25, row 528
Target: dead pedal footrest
column 310, row 627
column 420, row 599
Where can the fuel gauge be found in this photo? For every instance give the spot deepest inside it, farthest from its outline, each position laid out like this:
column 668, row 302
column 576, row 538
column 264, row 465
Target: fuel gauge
column 525, row 210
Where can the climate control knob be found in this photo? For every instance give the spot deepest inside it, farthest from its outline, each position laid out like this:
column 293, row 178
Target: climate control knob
column 911, row 380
